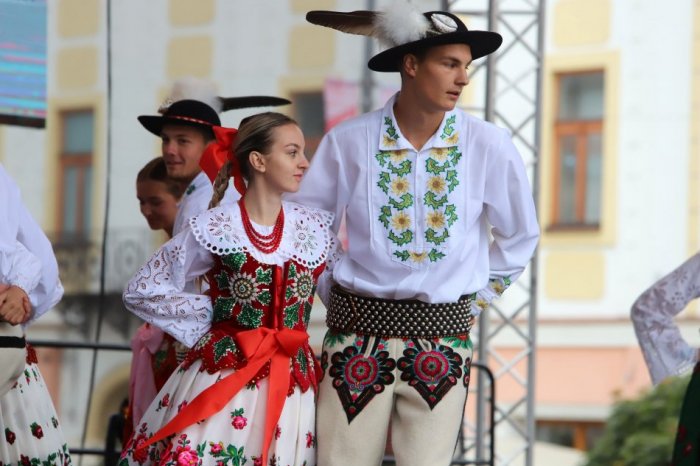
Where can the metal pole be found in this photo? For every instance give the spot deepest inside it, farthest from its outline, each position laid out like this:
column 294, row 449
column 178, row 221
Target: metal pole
column 367, row 84
column 489, row 113
column 532, row 318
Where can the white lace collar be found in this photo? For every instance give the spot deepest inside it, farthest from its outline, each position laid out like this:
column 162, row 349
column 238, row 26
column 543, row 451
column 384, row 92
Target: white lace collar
column 305, row 237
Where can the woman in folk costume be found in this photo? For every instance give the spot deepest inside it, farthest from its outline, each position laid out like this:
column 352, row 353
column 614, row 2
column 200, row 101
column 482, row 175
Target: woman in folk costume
column 155, row 353
column 29, row 287
column 245, row 392
column 667, row 354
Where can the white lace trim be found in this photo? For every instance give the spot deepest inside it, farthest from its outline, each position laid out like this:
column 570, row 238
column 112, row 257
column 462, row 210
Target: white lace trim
column 306, row 238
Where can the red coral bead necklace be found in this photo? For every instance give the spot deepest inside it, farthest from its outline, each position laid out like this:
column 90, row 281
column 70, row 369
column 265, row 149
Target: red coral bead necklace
column 264, row 243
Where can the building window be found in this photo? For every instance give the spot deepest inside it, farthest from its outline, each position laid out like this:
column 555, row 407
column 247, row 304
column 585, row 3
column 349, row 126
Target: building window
column 578, row 150
column 309, row 113
column 581, row 435
column 75, row 183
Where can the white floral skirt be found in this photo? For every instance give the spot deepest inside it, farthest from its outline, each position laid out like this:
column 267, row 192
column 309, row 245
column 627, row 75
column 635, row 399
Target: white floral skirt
column 233, row 436
column 32, row 434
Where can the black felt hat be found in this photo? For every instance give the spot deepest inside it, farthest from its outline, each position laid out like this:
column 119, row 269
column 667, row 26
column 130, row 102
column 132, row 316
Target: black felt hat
column 183, row 112
column 406, row 30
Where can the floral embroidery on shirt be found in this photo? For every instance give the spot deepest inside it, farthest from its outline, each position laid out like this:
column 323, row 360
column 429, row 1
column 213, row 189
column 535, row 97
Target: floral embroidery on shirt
column 396, row 175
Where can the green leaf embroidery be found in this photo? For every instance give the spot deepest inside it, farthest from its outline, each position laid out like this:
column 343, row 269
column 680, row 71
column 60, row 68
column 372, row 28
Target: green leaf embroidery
column 250, row 317
column 381, row 157
column 235, row 260
column 265, row 297
column 451, row 214
column 334, row 338
column 292, row 273
column 452, row 180
column 223, row 347
column 301, row 359
column 307, row 312
column 432, row 237
column 405, row 202
column 291, row 315
column 454, row 154
column 390, row 130
column 222, row 280
column 434, row 167
column 403, row 238
column 434, row 255
column 263, row 276
column 222, row 308
column 435, row 202
column 385, row 216
column 403, row 169
column 403, row 255
column 383, row 183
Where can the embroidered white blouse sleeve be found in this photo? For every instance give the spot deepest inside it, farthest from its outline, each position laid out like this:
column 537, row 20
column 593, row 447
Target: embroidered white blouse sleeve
column 49, row 290
column 510, row 211
column 157, row 292
column 20, row 268
column 665, row 351
column 19, row 263
column 325, row 281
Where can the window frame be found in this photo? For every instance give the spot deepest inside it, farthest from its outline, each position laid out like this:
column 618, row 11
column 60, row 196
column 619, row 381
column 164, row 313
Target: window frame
column 580, row 130
column 82, row 161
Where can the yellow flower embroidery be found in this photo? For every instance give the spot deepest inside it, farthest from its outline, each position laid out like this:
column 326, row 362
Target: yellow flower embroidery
column 482, row 304
column 400, row 221
column 389, row 142
column 452, row 139
column 418, row 256
column 439, row 153
column 397, row 156
column 436, row 184
column 399, row 186
column 498, row 287
column 436, row 220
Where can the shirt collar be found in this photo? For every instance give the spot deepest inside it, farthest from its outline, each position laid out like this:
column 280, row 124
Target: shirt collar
column 196, row 183
column 390, row 137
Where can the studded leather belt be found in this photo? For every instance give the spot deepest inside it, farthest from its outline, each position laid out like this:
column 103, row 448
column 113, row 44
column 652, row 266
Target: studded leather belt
column 409, row 318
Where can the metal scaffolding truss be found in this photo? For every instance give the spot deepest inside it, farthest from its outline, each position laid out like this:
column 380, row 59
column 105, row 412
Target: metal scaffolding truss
column 510, row 84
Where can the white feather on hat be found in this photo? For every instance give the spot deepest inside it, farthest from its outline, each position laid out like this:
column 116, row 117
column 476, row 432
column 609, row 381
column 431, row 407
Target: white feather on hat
column 400, row 23
column 191, row 88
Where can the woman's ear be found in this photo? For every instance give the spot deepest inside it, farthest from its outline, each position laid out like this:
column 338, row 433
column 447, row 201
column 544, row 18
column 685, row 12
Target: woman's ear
column 257, row 161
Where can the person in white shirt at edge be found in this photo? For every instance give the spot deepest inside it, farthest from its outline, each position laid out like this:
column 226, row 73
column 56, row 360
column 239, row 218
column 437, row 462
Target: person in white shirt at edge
column 29, row 287
column 184, row 126
column 421, row 184
column 665, row 351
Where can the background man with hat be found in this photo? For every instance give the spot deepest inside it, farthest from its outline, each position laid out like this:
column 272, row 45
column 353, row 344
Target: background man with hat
column 423, row 185
column 185, row 128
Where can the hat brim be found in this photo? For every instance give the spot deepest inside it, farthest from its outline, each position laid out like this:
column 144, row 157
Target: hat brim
column 154, row 123
column 234, row 103
column 481, row 44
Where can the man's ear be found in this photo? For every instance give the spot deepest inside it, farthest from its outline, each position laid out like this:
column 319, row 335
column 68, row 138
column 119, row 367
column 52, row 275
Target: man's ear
column 409, row 64
column 257, row 161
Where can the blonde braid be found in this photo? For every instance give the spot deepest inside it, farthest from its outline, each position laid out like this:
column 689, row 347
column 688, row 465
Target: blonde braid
column 220, row 184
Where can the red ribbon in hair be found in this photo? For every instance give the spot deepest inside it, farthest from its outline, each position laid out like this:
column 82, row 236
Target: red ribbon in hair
column 216, row 154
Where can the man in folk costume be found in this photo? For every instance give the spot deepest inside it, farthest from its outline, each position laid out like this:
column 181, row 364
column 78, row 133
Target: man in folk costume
column 422, row 185
column 185, row 127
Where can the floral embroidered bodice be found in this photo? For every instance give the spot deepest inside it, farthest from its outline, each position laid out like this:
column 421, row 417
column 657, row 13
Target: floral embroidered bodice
column 247, row 294
column 247, row 288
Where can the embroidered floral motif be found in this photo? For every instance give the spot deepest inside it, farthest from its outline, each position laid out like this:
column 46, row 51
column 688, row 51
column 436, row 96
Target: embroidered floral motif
column 10, row 436
column 358, row 378
column 36, row 430
column 238, row 421
column 467, row 372
column 304, row 239
column 394, row 178
column 432, row 372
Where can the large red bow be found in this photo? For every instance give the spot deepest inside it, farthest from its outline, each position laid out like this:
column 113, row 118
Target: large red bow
column 261, row 346
column 216, row 154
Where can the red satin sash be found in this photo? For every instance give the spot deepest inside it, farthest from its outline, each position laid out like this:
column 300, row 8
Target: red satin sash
column 260, row 346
